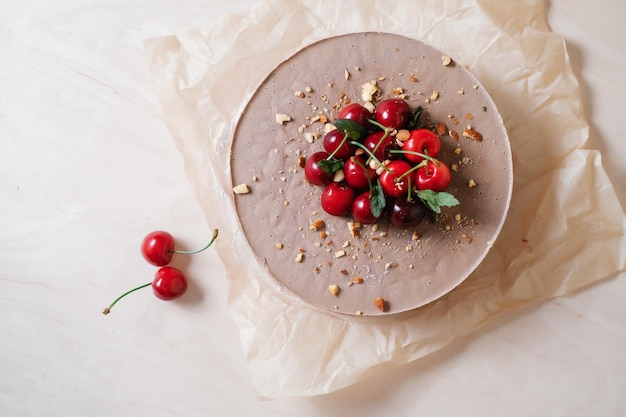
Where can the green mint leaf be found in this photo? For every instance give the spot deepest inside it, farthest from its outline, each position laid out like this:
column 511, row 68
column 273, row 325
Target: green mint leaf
column 351, row 128
column 377, row 199
column 435, row 200
column 330, row 165
column 415, row 118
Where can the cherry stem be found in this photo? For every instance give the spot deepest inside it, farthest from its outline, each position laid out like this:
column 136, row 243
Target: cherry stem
column 381, row 126
column 415, row 168
column 108, row 309
column 191, row 252
column 371, row 155
column 423, row 155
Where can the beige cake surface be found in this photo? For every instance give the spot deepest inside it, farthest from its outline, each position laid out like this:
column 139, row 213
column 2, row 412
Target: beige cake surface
column 324, row 259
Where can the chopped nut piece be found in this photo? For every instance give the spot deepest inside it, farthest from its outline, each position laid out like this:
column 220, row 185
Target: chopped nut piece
column 461, row 91
column 340, row 253
column 469, row 116
column 434, row 95
column 299, row 94
column 346, row 74
column 457, row 151
column 472, row 134
column 308, row 89
column 299, row 257
column 301, row 161
column 317, row 224
column 380, row 303
column 402, row 135
column 339, row 175
column 241, row 189
column 458, row 217
column 354, row 228
column 441, row 128
column 279, row 246
column 472, row 184
column 454, row 135
column 358, row 313
column 412, row 78
column 369, row 90
column 446, row 60
column 282, row 118
column 391, row 265
column 357, row 280
column 333, row 289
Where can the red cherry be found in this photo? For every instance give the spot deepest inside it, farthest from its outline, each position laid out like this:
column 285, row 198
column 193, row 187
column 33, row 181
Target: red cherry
column 422, row 141
column 362, row 209
column 357, row 173
column 393, row 180
column 335, row 143
column 357, row 113
column 433, row 176
column 314, row 173
column 380, row 145
column 393, row 113
column 158, row 248
column 406, row 213
column 337, row 199
column 169, row 283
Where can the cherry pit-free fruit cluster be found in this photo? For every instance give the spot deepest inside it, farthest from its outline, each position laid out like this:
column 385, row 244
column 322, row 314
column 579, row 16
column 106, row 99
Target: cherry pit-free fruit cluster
column 169, row 283
column 366, row 171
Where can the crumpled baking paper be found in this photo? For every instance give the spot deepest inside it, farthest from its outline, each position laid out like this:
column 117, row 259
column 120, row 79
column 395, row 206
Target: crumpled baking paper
column 565, row 228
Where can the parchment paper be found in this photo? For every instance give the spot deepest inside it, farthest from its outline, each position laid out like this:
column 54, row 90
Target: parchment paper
column 565, row 227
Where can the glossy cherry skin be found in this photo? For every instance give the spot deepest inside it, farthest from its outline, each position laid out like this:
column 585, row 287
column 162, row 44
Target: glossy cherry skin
column 314, row 173
column 422, row 141
column 357, row 173
column 393, row 113
column 158, row 248
column 357, row 113
column 169, row 283
column 362, row 209
column 337, row 199
column 335, row 139
column 380, row 145
column 433, row 176
column 405, row 213
column 387, row 179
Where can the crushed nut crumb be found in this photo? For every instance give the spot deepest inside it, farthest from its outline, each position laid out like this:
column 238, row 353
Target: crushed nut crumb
column 241, row 189
column 472, row 134
column 281, row 119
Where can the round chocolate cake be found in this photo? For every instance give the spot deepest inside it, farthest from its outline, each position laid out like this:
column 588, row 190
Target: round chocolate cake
column 335, row 262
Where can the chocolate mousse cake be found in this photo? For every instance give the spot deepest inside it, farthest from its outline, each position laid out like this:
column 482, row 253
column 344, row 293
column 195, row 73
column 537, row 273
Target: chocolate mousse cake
column 335, row 262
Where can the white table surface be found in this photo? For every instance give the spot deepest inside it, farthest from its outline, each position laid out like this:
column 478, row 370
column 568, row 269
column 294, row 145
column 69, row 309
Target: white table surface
column 88, row 169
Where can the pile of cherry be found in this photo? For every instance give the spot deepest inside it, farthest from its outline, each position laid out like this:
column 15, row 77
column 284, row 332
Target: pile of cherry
column 368, row 173
column 169, row 283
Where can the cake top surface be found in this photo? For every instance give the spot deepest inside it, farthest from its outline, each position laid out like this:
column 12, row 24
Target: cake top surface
column 324, row 259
